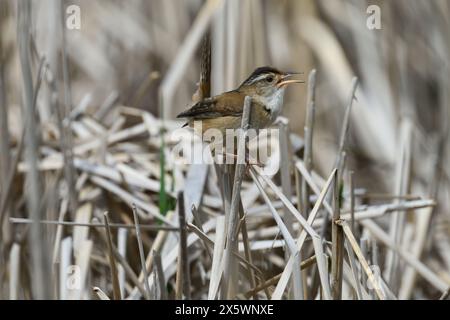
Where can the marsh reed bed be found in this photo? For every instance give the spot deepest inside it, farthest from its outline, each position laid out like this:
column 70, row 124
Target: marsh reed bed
column 94, row 205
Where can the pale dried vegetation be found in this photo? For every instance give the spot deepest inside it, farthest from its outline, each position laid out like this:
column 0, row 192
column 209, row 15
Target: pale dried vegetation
column 93, row 206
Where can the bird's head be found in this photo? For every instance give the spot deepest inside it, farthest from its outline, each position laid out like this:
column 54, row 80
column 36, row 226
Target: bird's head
column 267, row 81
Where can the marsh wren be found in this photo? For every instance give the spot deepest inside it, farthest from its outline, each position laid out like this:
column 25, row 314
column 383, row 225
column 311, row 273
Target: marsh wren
column 266, row 86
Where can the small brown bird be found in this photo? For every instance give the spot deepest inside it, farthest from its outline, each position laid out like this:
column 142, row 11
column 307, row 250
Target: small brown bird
column 266, row 86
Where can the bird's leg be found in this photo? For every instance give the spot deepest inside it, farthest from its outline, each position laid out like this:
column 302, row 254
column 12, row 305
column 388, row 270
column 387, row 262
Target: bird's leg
column 251, row 162
column 248, row 160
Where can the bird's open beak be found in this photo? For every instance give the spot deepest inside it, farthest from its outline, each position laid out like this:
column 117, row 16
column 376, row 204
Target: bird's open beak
column 285, row 82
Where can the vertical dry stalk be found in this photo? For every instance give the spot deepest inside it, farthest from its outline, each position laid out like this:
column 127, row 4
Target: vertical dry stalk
column 304, row 204
column 216, row 268
column 218, row 59
column 14, row 270
column 340, row 156
column 160, row 274
column 183, row 272
column 298, row 194
column 156, row 246
column 66, row 134
column 141, row 250
column 65, row 262
column 4, row 136
column 309, row 127
column 398, row 219
column 364, row 245
column 346, row 124
column 286, row 158
column 112, row 261
column 196, row 217
column 122, row 249
column 232, row 25
column 246, row 242
column 352, row 201
column 6, row 194
column 233, row 217
column 354, row 270
column 337, row 247
column 40, row 264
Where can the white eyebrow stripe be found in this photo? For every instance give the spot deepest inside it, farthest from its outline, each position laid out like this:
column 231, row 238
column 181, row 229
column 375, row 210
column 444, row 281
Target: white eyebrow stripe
column 260, row 77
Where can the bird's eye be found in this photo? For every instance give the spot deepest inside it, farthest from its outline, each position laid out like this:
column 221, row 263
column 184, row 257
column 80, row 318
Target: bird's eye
column 269, row 79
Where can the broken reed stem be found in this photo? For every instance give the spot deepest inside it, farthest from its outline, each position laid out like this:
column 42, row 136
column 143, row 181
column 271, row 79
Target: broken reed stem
column 156, row 246
column 233, row 222
column 375, row 282
column 112, row 261
column 100, row 294
column 309, row 127
column 128, row 270
column 337, row 246
column 410, row 259
column 141, row 251
column 183, row 272
column 211, row 243
column 272, row 281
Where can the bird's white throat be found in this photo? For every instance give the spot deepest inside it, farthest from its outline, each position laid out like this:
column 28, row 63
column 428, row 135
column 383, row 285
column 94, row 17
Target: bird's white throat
column 273, row 102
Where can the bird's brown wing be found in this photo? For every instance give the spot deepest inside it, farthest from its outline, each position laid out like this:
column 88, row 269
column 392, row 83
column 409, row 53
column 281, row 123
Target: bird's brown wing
column 227, row 104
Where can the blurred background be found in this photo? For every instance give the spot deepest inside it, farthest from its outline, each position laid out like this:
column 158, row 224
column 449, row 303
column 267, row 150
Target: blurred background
column 147, row 55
